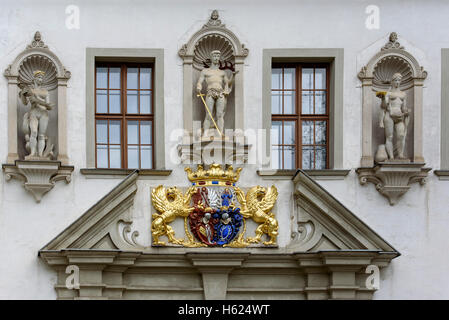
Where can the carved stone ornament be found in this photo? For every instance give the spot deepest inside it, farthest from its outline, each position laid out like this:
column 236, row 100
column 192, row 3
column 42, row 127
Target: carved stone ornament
column 37, row 119
column 393, row 179
column 392, row 128
column 38, row 177
column 213, row 67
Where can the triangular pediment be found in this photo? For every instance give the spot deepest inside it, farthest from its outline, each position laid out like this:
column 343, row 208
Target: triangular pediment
column 324, row 223
column 98, row 227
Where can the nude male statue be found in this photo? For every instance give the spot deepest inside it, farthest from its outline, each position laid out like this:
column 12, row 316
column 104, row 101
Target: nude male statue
column 219, row 86
column 35, row 121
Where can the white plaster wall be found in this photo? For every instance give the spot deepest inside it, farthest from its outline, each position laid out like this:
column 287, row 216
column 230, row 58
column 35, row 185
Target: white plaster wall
column 417, row 226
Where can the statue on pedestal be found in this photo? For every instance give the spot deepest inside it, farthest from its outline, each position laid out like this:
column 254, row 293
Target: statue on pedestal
column 395, row 119
column 219, row 86
column 35, row 121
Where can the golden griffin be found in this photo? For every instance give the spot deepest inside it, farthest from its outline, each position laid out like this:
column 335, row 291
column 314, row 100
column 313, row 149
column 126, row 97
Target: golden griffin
column 215, row 211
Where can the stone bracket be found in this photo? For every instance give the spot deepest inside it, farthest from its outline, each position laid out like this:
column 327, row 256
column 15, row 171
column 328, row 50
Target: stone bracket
column 38, row 176
column 229, row 152
column 393, row 179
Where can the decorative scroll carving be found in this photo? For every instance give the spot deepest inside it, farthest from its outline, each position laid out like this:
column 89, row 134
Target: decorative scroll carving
column 38, row 177
column 393, row 179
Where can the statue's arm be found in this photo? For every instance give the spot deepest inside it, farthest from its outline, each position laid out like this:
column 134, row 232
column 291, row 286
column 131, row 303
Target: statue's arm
column 199, row 84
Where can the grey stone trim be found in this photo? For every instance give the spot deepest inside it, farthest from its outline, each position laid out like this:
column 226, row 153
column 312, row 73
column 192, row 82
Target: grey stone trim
column 124, row 172
column 132, row 55
column 333, row 55
column 325, row 174
column 444, row 109
column 443, row 175
column 196, row 275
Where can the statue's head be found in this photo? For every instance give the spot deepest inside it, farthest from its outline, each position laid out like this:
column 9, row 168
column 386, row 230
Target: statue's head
column 39, row 76
column 396, row 80
column 215, row 56
column 207, row 216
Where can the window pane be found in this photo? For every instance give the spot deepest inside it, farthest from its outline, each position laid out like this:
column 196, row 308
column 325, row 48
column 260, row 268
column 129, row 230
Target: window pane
column 289, row 102
column 102, row 77
column 114, row 78
column 320, row 78
column 289, row 132
column 102, row 131
column 145, row 132
column 276, row 78
column 145, row 101
column 114, row 101
column 289, row 78
column 276, row 102
column 276, row 132
column 320, row 156
column 320, row 132
column 307, row 78
column 289, row 158
column 307, row 158
column 307, row 132
column 320, row 102
column 145, row 157
column 114, row 157
column 102, row 101
column 114, row 131
column 145, row 78
column 131, row 102
column 102, row 156
column 133, row 133
column 133, row 157
column 307, row 102
column 131, row 80
column 276, row 157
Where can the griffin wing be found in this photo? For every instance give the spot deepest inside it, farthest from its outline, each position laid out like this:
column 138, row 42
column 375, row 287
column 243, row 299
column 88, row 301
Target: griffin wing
column 159, row 199
column 188, row 196
column 243, row 204
column 269, row 200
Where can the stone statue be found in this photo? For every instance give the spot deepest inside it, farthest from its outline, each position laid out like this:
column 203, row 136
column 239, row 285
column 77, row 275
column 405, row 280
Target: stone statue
column 35, row 121
column 395, row 119
column 219, row 86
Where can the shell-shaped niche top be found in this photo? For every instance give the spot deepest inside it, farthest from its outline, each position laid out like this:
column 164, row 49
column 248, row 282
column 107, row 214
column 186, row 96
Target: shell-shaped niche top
column 387, row 67
column 206, row 45
column 36, row 62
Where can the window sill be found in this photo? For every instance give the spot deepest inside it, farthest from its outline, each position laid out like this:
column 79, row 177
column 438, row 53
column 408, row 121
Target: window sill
column 113, row 173
column 325, row 174
column 443, row 175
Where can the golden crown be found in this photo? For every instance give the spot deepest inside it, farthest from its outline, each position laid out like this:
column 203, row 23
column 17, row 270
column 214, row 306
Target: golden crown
column 35, row 73
column 215, row 175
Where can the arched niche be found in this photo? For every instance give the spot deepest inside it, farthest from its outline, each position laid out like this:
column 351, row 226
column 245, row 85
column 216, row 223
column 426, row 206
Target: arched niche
column 212, row 36
column 376, row 76
column 38, row 173
column 37, row 56
column 392, row 177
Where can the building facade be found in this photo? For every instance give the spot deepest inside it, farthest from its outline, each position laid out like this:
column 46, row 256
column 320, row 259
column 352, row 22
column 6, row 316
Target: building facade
column 184, row 150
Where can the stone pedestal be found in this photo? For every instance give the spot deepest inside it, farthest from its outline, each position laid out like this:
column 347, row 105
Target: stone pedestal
column 38, row 176
column 214, row 150
column 393, row 178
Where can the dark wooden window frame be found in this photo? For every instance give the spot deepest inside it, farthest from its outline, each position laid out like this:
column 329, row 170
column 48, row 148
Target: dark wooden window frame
column 298, row 117
column 123, row 116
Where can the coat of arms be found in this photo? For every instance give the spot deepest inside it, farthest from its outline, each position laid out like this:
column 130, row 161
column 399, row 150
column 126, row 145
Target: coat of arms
column 214, row 210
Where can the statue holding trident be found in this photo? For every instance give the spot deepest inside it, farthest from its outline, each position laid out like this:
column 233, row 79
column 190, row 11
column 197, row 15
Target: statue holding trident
column 219, row 86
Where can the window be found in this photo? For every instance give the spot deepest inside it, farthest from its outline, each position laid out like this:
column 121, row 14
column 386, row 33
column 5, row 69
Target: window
column 300, row 116
column 124, row 115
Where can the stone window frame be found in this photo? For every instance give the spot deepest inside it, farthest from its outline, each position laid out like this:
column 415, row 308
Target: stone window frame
column 335, row 58
column 155, row 56
column 443, row 173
